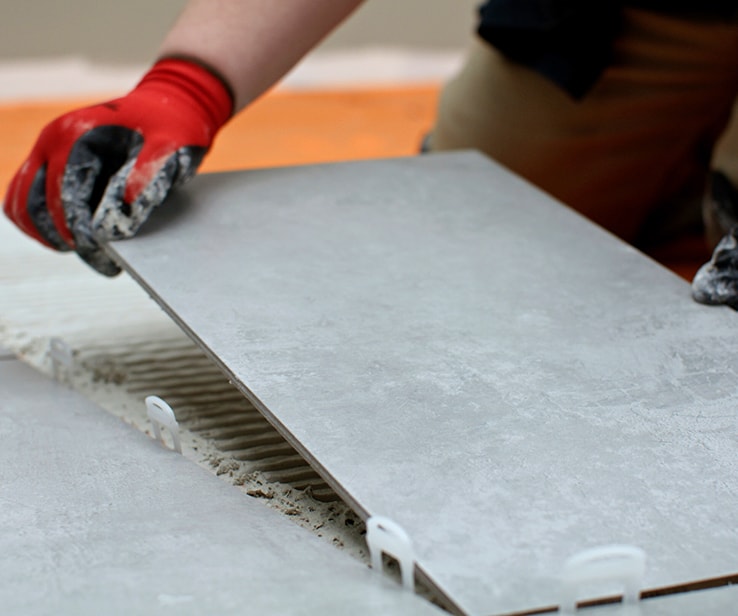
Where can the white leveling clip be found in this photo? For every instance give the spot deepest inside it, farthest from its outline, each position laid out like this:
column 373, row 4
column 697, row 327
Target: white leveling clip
column 60, row 355
column 622, row 564
column 383, row 536
column 162, row 416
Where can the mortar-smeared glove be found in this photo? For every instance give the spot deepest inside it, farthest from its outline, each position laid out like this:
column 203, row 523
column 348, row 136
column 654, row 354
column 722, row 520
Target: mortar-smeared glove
column 95, row 174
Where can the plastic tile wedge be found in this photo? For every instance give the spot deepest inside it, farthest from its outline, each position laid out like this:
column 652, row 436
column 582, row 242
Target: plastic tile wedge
column 453, row 349
column 97, row 518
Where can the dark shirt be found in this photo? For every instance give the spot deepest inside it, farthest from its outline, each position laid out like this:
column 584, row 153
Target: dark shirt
column 570, row 41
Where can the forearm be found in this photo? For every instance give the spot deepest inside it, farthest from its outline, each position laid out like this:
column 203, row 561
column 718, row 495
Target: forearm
column 253, row 43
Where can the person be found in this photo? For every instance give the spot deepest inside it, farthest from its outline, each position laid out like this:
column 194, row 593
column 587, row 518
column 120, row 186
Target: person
column 613, row 107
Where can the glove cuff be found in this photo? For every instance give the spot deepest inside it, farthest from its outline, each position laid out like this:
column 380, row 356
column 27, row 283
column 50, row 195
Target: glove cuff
column 195, row 82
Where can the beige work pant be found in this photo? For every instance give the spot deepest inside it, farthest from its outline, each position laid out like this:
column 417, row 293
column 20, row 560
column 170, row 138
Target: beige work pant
column 633, row 154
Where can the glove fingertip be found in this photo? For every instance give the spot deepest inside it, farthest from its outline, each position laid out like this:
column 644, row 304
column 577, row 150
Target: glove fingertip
column 26, row 206
column 96, row 257
column 38, row 211
column 119, row 216
column 111, row 219
column 716, row 282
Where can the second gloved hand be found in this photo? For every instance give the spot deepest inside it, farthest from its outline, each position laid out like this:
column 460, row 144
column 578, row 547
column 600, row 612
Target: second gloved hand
column 95, row 174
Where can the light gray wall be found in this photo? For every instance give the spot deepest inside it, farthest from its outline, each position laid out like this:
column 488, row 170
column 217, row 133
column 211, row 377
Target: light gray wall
column 128, row 31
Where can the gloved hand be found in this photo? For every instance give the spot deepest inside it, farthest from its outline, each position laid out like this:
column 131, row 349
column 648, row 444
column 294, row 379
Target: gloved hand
column 95, row 174
column 716, row 282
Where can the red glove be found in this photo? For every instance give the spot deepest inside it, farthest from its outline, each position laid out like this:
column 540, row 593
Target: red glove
column 95, row 174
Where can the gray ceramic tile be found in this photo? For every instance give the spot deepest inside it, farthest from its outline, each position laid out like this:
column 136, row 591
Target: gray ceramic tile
column 453, row 349
column 720, row 601
column 97, row 518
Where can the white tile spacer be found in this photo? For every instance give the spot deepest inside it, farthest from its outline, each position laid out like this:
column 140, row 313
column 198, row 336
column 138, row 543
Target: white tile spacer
column 162, row 415
column 61, row 356
column 624, row 564
column 383, row 536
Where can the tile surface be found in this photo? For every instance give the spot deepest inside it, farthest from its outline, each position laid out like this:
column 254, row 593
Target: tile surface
column 97, row 518
column 451, row 348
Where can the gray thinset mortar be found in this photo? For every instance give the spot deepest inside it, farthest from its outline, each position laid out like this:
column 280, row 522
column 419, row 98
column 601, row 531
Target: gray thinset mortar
column 220, row 429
